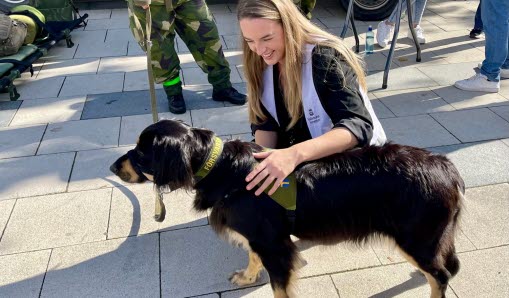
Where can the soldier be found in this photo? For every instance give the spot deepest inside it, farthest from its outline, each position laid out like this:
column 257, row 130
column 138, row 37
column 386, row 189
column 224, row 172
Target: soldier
column 192, row 21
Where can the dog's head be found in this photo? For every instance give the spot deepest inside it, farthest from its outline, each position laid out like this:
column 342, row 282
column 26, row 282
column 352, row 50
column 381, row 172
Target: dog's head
column 166, row 153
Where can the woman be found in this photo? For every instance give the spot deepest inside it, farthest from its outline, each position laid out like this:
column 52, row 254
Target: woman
column 306, row 91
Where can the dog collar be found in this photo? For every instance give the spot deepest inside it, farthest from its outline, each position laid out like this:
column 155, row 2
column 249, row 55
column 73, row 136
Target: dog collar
column 210, row 161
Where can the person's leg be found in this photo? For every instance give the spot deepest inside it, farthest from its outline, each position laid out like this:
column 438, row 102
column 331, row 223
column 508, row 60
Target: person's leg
column 165, row 61
column 419, row 7
column 194, row 24
column 504, row 70
column 477, row 30
column 165, row 64
column 495, row 18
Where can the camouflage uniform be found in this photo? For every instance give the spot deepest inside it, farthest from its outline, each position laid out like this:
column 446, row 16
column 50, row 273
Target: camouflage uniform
column 306, row 6
column 192, row 21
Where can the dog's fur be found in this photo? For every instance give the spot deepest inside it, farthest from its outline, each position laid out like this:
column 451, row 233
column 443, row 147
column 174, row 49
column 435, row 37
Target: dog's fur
column 407, row 194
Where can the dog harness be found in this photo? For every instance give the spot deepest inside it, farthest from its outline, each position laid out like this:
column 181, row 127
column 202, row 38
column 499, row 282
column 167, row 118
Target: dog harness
column 285, row 195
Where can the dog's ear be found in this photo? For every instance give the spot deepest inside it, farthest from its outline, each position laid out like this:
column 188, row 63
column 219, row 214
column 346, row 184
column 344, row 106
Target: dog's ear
column 172, row 162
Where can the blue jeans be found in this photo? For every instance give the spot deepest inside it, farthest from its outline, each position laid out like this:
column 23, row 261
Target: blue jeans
column 495, row 18
column 418, row 10
column 477, row 19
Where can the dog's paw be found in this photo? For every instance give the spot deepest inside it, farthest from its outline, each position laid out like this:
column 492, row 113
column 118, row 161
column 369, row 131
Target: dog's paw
column 240, row 278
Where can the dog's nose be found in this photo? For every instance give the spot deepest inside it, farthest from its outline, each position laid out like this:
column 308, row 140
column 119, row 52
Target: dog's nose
column 114, row 169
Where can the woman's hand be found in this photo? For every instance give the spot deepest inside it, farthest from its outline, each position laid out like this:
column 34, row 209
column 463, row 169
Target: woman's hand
column 276, row 166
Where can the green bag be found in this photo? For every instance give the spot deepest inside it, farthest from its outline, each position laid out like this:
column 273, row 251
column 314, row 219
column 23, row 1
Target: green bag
column 56, row 10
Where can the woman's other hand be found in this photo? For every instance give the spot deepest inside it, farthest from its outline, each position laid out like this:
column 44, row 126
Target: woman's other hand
column 276, row 166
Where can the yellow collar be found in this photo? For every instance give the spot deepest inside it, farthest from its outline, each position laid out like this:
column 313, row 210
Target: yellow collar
column 210, row 161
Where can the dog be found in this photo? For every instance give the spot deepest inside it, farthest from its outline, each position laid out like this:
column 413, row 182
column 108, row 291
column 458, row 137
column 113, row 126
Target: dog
column 407, row 194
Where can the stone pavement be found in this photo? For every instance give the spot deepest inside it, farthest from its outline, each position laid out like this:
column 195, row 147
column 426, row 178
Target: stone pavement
column 69, row 228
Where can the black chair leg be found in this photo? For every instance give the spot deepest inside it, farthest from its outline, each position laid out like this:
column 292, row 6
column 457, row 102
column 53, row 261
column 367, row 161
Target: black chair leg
column 412, row 30
column 355, row 33
column 347, row 19
column 393, row 46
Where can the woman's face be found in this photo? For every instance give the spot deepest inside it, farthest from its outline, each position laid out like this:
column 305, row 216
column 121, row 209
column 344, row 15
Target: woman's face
column 265, row 38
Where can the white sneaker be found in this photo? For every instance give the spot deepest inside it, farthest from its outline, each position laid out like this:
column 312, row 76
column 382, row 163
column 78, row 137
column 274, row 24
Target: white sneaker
column 504, row 73
column 384, row 34
column 478, row 82
column 419, row 32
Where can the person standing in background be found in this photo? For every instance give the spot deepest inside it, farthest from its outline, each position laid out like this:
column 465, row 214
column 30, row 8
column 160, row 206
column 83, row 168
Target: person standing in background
column 192, row 21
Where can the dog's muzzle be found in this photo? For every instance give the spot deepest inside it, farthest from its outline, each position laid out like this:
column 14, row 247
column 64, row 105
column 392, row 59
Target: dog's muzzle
column 138, row 166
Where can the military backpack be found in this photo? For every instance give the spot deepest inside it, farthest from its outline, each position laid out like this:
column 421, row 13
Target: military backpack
column 12, row 35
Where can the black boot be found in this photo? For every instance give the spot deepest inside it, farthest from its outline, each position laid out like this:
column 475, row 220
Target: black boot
column 475, row 33
column 177, row 104
column 229, row 94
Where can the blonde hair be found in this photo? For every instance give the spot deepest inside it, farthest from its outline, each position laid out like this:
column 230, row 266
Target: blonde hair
column 298, row 31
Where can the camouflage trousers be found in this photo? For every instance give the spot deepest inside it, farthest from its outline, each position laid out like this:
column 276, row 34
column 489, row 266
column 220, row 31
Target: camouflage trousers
column 192, row 21
column 306, row 6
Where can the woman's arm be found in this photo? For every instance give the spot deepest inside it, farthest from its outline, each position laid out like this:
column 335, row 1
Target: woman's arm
column 265, row 138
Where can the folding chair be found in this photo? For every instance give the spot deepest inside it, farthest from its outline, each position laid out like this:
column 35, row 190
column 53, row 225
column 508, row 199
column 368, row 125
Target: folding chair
column 351, row 19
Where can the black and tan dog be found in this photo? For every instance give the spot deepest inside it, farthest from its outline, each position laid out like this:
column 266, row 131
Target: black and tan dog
column 407, row 194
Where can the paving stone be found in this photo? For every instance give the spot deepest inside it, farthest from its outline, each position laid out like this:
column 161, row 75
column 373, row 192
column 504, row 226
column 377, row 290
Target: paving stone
column 381, row 111
column 132, row 126
column 195, row 76
column 138, row 80
column 134, row 49
column 228, row 29
column 46, row 110
column 101, row 49
column 80, row 135
column 95, row 14
column 60, row 51
column 7, row 111
column 61, row 68
column 504, row 88
column 505, row 141
column 413, row 102
column 20, row 141
column 122, row 104
column 420, row 131
column 120, row 13
column 461, row 99
column 116, row 268
column 92, row 169
column 5, row 213
column 232, row 41
column 122, row 64
column 223, row 121
column 376, row 62
column 399, row 280
column 183, row 254
column 408, row 78
column 84, row 36
column 482, row 124
column 448, row 74
column 200, row 97
column 32, row 89
column 245, row 137
column 406, row 56
column 322, row 259
column 484, row 220
column 501, row 111
column 480, row 163
column 92, row 84
column 56, row 220
column 320, row 286
column 119, row 35
column 483, row 274
column 23, row 274
column 113, row 23
column 34, row 175
column 132, row 211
